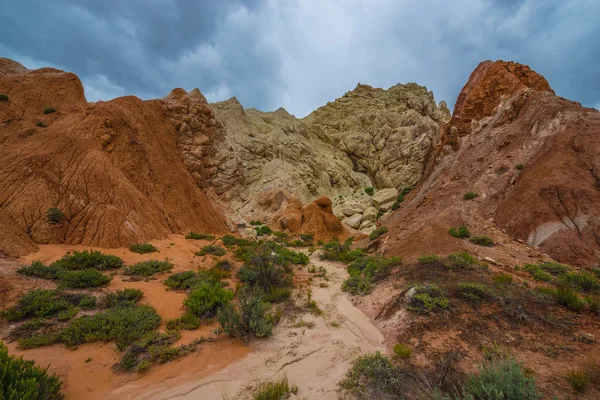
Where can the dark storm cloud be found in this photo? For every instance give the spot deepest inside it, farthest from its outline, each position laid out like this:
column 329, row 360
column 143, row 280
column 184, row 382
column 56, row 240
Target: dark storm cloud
column 301, row 53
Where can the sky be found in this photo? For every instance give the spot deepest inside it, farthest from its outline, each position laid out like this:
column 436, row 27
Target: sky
column 300, row 54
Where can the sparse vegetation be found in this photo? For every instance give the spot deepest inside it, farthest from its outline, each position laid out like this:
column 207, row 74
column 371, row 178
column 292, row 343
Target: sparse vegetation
column 274, row 390
column 501, row 378
column 247, row 319
column 482, row 241
column 20, row 379
column 306, row 238
column 378, row 232
column 374, row 377
column 366, row 271
column 428, row 298
column 127, row 297
column 335, row 251
column 38, row 303
column 88, row 260
column 579, row 380
column 470, row 195
column 199, row 236
column 461, row 232
column 581, row 280
column 3, row 97
column 49, row 110
column 212, row 249
column 38, row 269
column 182, row 280
column 402, row 351
column 502, row 279
column 428, row 259
column 370, row 190
column 519, row 166
column 146, row 269
column 406, row 190
column 263, row 230
column 206, row 299
column 462, row 260
column 82, row 279
column 55, row 216
column 143, row 248
column 537, row 273
column 473, row 292
column 41, row 124
column 256, row 223
column 187, row 321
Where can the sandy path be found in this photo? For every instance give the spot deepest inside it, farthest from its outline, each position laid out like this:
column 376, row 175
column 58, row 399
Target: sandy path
column 315, row 358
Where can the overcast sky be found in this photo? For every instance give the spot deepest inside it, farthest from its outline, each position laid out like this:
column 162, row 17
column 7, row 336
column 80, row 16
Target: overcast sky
column 300, row 54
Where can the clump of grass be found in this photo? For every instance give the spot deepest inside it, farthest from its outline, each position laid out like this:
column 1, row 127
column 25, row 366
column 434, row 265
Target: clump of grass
column 402, row 351
column 55, row 216
column 537, row 273
column 378, row 232
column 247, row 319
column 336, row 251
column 428, row 298
column 554, row 269
column 274, row 390
column 374, row 376
column 199, row 236
column 229, row 240
column 82, row 279
column 462, row 260
column 366, row 271
column 186, row 280
column 256, row 223
column 306, row 238
column 593, row 303
column 504, row 378
column 473, row 292
column 49, row 110
column 568, row 298
column 3, row 97
column 470, row 195
column 146, row 269
column 153, row 347
column 579, row 380
column 143, row 248
column 127, row 297
column 213, row 249
column 304, row 324
column 482, row 241
column 205, row 299
column 22, row 379
column 582, row 280
column 187, row 321
column 41, row 124
column 38, row 269
column 406, row 190
column 38, row 303
column 519, row 166
column 461, row 232
column 428, row 259
column 79, row 260
column 502, row 279
column 263, row 230
column 370, row 190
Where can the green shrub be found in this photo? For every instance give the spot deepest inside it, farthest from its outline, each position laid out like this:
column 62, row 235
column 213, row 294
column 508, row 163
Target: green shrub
column 406, row 190
column 151, row 348
column 182, row 280
column 501, row 378
column 335, row 251
column 370, row 190
column 49, row 110
column 38, row 340
column 399, row 199
column 395, row 206
column 378, row 232
column 579, row 380
column 205, row 299
column 123, row 325
column 23, row 380
column 224, row 265
column 428, row 298
column 581, row 280
column 593, row 303
column 366, row 271
column 470, row 195
column 461, row 232
column 248, row 319
column 143, row 248
column 187, row 321
column 402, row 351
column 374, row 376
column 274, row 390
column 596, row 271
column 307, row 238
column 462, row 260
column 537, row 273
column 502, row 279
column 37, row 303
column 569, row 298
column 213, row 249
column 38, row 269
column 482, row 241
column 55, row 216
column 473, row 292
column 263, row 230
column 358, row 285
column 555, row 268
column 87, row 302
column 256, row 223
column 199, row 236
column 3, row 97
column 82, row 279
column 148, row 268
column 428, row 259
column 277, row 294
column 229, row 240
column 79, row 260
column 519, row 166
column 127, row 297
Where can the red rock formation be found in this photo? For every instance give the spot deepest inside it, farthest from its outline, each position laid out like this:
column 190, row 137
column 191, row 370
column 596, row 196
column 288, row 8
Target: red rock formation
column 113, row 168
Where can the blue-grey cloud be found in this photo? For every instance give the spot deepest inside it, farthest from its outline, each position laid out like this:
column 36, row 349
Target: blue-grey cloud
column 299, row 54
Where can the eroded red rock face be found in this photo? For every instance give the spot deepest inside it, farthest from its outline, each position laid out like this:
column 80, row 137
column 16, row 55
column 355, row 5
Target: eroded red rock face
column 490, row 84
column 113, row 168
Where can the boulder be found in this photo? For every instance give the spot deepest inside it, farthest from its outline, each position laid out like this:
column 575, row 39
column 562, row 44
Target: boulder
column 384, row 196
column 353, row 221
column 352, row 208
column 387, row 206
column 370, row 214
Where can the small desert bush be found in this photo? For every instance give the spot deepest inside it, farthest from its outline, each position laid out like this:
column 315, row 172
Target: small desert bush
column 406, row 190
column 229, row 240
column 428, row 259
column 519, row 166
column 143, row 248
column 554, row 269
column 470, row 195
column 537, row 273
column 206, row 299
column 568, row 298
column 3, row 97
column 274, row 390
column 473, row 292
column 199, row 236
column 579, row 380
column 263, row 230
column 402, row 351
column 374, row 376
column 127, row 297
column 501, row 378
column 306, row 238
column 187, row 321
column 366, row 271
column 247, row 319
column 378, row 232
column 38, row 269
column 38, row 303
column 82, row 279
column 461, row 232
column 146, row 269
column 336, row 251
column 182, row 280
column 256, row 223
column 154, row 347
column 462, row 260
column 370, row 190
column 41, row 124
column 49, row 110
column 79, row 260
column 502, row 279
column 55, row 216
column 581, row 280
column 20, row 379
column 428, row 298
column 482, row 241
column 224, row 265
column 213, row 249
